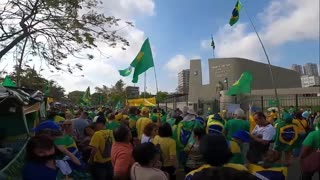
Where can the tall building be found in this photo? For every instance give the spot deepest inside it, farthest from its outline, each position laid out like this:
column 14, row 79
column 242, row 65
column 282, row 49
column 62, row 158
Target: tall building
column 297, row 68
column 311, row 69
column 308, row 81
column 183, row 81
column 132, row 92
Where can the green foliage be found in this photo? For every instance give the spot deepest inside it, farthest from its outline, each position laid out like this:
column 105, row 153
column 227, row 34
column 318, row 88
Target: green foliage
column 146, row 95
column 54, row 29
column 161, row 96
column 75, row 96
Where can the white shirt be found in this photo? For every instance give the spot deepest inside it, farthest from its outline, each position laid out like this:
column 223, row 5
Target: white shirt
column 265, row 132
column 145, row 139
column 138, row 172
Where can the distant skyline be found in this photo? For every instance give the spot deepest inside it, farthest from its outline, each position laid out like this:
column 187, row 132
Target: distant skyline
column 180, row 30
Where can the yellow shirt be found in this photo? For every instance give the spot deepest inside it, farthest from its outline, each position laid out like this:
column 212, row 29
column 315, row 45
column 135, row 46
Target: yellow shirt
column 301, row 125
column 58, row 119
column 168, row 148
column 252, row 123
column 205, row 166
column 141, row 124
column 98, row 141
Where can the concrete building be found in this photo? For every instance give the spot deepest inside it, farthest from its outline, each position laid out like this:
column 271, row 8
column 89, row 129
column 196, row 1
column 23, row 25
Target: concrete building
column 183, row 81
column 297, row 68
column 311, row 69
column 132, row 92
column 308, row 81
column 223, row 72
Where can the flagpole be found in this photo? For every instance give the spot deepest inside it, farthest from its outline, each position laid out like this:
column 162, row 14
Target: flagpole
column 155, row 76
column 269, row 64
column 145, row 85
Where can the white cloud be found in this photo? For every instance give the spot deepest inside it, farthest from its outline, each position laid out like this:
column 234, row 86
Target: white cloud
column 282, row 21
column 177, row 63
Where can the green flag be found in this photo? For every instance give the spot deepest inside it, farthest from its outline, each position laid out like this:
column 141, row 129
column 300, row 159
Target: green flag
column 47, row 89
column 118, row 106
column 126, row 72
column 86, row 97
column 235, row 13
column 7, row 82
column 143, row 61
column 242, row 86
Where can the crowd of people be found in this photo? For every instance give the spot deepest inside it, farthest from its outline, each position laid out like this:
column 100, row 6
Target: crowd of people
column 151, row 144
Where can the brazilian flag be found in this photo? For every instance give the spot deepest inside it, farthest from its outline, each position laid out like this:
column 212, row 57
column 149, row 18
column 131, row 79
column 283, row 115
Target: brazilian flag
column 235, row 13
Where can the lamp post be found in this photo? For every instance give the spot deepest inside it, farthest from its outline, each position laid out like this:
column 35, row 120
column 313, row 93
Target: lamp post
column 227, row 83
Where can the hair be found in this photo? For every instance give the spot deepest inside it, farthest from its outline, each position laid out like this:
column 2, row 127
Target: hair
column 239, row 113
column 178, row 120
column 223, row 173
column 111, row 116
column 91, row 126
column 144, row 153
column 165, row 130
column 132, row 110
column 298, row 115
column 85, row 113
column 215, row 150
column 138, row 111
column 38, row 142
column 200, row 132
column 260, row 115
column 121, row 133
column 51, row 114
column 154, row 110
column 149, row 128
column 274, row 111
column 101, row 120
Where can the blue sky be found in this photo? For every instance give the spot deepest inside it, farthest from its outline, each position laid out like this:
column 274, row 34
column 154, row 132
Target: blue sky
column 180, row 30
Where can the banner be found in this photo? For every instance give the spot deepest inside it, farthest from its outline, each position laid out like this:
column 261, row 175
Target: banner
column 142, row 101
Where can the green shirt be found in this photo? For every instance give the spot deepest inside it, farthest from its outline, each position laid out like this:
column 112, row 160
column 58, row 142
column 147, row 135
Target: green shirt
column 312, row 140
column 234, row 125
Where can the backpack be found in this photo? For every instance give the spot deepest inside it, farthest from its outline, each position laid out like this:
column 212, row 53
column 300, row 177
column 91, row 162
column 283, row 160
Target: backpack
column 106, row 153
column 288, row 134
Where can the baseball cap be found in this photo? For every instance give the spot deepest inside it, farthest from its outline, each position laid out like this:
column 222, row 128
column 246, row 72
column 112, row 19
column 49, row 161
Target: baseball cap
column 242, row 135
column 46, row 125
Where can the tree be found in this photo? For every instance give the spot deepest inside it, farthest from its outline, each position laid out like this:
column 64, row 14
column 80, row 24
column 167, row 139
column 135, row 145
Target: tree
column 161, row 96
column 75, row 96
column 117, row 93
column 146, row 95
column 54, row 29
column 98, row 99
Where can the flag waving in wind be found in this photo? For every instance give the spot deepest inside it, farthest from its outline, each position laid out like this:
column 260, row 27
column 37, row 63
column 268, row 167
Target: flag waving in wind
column 141, row 63
column 242, row 86
column 235, row 13
column 85, row 100
column 7, row 82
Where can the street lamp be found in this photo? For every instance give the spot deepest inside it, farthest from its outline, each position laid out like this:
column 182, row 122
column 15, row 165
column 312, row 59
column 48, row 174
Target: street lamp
column 227, row 83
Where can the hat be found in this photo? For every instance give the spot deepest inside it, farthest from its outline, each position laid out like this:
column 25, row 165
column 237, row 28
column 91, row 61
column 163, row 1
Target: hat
column 46, row 125
column 305, row 114
column 190, row 111
column 242, row 135
column 145, row 110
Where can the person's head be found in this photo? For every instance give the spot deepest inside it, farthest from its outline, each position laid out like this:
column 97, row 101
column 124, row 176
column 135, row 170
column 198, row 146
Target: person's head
column 67, row 127
column 185, row 109
column 145, row 112
column 151, row 130
column 165, row 130
column 199, row 133
column 239, row 113
column 111, row 117
column 223, row 173
column 138, row 112
column 89, row 130
column 132, row 111
column 100, row 123
column 68, row 116
column 146, row 154
column 260, row 118
column 122, row 134
column 273, row 111
column 84, row 115
column 155, row 110
column 178, row 119
column 51, row 115
column 305, row 115
column 215, row 150
column 298, row 115
column 40, row 149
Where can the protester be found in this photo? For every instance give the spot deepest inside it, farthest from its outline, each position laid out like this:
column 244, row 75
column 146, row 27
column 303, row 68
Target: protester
column 147, row 166
column 132, row 121
column 100, row 158
column 112, row 124
column 79, row 124
column 168, row 150
column 143, row 121
column 40, row 161
column 223, row 173
column 215, row 124
column 303, row 127
column 215, row 153
column 121, row 153
column 233, row 125
column 261, row 137
column 236, row 146
column 194, row 157
column 149, row 132
column 155, row 116
column 190, row 115
column 310, row 153
column 84, row 146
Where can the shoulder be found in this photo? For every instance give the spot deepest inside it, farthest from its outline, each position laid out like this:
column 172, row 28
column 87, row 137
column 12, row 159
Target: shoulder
column 239, row 167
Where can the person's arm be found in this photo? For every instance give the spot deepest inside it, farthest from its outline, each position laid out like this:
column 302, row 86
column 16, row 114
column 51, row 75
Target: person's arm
column 65, row 151
column 307, row 146
column 305, row 151
column 259, row 140
column 122, row 166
